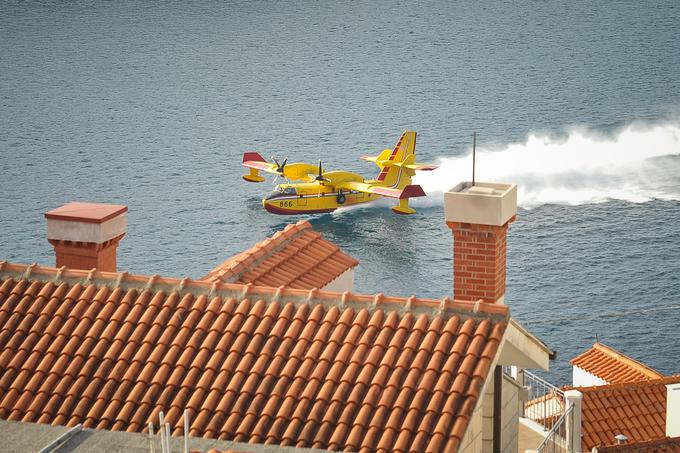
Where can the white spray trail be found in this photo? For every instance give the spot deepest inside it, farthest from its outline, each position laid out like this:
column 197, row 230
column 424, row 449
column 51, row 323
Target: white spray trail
column 637, row 164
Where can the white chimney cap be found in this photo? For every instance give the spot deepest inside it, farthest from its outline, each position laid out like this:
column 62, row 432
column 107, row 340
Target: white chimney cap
column 485, row 203
column 86, row 222
column 621, row 439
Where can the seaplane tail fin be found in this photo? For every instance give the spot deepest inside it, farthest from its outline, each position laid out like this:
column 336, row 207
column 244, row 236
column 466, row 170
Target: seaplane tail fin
column 391, row 174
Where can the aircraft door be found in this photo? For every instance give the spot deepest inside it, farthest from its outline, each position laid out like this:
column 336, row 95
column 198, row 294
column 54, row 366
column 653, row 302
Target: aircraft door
column 302, row 200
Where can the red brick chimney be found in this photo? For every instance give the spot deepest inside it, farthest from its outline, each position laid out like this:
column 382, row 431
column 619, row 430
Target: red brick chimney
column 86, row 235
column 479, row 216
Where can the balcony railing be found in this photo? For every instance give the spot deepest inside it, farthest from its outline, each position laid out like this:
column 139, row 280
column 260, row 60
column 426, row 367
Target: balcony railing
column 545, row 403
column 556, row 439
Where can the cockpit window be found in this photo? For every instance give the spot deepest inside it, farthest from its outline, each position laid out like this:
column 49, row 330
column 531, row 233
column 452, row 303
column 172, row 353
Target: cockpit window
column 281, row 192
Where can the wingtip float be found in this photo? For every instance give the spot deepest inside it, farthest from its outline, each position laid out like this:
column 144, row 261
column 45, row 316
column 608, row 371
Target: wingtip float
column 319, row 191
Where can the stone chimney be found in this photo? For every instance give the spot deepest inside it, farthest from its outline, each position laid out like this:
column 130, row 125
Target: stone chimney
column 673, row 409
column 86, row 235
column 479, row 216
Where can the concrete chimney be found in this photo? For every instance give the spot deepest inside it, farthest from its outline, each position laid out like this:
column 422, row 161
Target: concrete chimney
column 673, row 410
column 621, row 439
column 86, row 235
column 479, row 216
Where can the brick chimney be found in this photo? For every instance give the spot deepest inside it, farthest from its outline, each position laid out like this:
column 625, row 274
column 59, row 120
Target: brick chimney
column 86, row 235
column 479, row 216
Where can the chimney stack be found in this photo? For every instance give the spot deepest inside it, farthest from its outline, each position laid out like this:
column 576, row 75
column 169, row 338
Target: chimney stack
column 673, row 409
column 621, row 439
column 479, row 216
column 86, row 235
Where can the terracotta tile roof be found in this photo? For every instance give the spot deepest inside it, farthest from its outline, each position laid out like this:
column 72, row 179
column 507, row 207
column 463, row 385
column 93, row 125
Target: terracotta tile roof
column 215, row 450
column 635, row 409
column 612, row 366
column 252, row 364
column 666, row 445
column 297, row 257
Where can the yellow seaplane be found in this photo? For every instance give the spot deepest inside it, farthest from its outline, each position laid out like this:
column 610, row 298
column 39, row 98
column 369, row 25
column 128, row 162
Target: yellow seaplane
column 321, row 191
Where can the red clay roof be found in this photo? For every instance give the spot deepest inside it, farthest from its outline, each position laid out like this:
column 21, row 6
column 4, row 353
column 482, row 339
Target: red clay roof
column 667, row 445
column 612, row 366
column 252, row 364
column 635, row 409
column 297, row 257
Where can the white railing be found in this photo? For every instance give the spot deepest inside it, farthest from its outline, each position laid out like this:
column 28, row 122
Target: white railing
column 545, row 403
column 556, row 439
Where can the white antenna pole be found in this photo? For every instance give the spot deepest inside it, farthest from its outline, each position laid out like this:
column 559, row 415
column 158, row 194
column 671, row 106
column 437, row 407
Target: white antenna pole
column 474, row 152
column 151, row 449
column 161, row 432
column 186, row 431
column 167, row 437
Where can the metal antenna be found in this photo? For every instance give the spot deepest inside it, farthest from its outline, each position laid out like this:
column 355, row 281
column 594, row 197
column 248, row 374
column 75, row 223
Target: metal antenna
column 474, row 152
column 161, row 430
column 151, row 437
column 167, row 437
column 186, row 431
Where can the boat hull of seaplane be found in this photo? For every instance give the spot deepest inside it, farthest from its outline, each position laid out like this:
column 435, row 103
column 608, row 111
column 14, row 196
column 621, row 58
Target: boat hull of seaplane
column 300, row 204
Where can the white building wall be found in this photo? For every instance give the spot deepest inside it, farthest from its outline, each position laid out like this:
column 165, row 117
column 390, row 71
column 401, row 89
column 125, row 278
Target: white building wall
column 581, row 378
column 487, row 414
column 673, row 410
column 510, row 413
column 472, row 441
column 344, row 282
column 479, row 435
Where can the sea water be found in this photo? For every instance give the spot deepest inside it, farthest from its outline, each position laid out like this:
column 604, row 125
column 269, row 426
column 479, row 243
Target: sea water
column 152, row 105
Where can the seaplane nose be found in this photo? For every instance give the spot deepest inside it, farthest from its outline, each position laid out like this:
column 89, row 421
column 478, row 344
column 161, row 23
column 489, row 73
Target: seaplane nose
column 270, row 207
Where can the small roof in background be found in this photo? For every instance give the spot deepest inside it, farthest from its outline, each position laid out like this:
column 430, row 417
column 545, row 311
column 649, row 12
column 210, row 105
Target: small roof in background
column 612, row 366
column 297, row 257
column 634, row 409
column 666, row 445
column 86, row 212
column 253, row 364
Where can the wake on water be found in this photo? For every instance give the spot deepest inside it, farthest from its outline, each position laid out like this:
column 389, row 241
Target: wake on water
column 637, row 164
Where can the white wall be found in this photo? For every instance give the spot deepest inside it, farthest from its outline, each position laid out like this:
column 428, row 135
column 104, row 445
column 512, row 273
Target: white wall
column 581, row 378
column 479, row 435
column 343, row 282
column 472, row 441
column 673, row 410
column 510, row 415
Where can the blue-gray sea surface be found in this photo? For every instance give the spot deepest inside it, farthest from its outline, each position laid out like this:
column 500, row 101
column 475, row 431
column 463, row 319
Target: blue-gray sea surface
column 151, row 104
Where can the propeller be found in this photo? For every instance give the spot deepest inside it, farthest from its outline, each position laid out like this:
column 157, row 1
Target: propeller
column 280, row 167
column 320, row 177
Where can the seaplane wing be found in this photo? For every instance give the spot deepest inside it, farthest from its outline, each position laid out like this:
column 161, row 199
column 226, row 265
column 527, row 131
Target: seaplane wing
column 410, row 191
